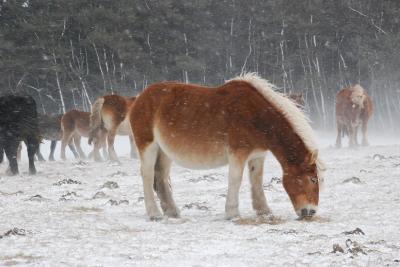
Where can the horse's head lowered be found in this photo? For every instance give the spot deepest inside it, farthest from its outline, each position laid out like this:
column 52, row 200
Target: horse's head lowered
column 302, row 183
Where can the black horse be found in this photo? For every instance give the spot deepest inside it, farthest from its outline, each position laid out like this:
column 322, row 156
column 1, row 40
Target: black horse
column 18, row 122
column 50, row 129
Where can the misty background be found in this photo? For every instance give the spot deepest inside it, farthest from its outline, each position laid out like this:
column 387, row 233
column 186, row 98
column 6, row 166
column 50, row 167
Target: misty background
column 67, row 53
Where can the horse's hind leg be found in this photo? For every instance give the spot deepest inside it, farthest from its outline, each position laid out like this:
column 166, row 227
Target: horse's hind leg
column 77, row 142
column 32, row 145
column 73, row 149
column 96, row 150
column 52, row 148
column 110, row 140
column 133, row 147
column 162, row 185
column 11, row 152
column 39, row 154
column 256, row 167
column 236, row 166
column 148, row 158
column 66, row 139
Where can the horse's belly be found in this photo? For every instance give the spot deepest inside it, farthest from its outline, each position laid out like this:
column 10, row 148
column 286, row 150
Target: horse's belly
column 193, row 154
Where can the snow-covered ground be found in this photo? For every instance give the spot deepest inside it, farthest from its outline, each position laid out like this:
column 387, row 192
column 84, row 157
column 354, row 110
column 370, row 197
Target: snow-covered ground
column 82, row 213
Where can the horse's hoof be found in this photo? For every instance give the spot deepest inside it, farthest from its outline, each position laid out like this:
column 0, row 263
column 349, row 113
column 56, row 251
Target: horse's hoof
column 232, row 216
column 156, row 218
column 263, row 212
column 11, row 173
column 172, row 214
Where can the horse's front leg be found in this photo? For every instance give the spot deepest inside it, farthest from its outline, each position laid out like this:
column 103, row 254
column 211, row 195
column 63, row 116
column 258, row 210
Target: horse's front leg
column 339, row 135
column 256, row 167
column 356, row 135
column 352, row 138
column 236, row 167
column 52, row 148
column 364, row 133
column 32, row 145
column 11, row 152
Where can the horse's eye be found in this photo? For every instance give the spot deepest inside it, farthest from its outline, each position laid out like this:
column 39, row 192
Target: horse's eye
column 314, row 180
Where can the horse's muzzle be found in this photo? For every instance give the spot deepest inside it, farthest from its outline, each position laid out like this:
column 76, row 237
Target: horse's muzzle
column 306, row 212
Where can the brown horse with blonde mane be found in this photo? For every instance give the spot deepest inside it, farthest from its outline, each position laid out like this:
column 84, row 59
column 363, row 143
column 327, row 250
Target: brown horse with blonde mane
column 109, row 112
column 235, row 124
column 353, row 109
column 74, row 125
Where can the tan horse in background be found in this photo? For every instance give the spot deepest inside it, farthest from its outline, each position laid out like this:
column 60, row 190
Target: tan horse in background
column 354, row 108
column 110, row 113
column 235, row 124
column 74, row 125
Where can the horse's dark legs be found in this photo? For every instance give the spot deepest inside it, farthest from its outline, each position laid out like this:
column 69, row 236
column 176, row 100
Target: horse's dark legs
column 32, row 144
column 1, row 154
column 11, row 152
column 52, row 148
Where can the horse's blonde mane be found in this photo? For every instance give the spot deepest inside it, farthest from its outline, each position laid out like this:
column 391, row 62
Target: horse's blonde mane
column 357, row 95
column 290, row 111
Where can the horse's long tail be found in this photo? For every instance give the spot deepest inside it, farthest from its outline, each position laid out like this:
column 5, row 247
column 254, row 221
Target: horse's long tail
column 96, row 122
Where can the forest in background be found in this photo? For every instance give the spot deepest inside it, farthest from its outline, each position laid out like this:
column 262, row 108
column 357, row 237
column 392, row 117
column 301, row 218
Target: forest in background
column 67, row 53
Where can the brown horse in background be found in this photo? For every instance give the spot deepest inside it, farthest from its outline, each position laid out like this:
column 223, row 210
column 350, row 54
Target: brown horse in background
column 236, row 124
column 50, row 129
column 109, row 112
column 353, row 109
column 76, row 124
